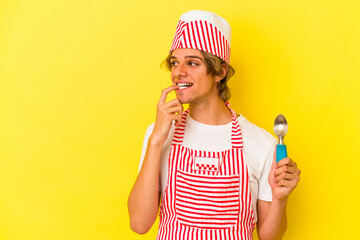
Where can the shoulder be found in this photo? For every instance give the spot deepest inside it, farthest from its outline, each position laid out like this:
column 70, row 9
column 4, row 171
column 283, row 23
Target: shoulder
column 255, row 138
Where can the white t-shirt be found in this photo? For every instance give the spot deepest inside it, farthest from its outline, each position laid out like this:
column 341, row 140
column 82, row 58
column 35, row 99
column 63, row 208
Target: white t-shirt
column 258, row 148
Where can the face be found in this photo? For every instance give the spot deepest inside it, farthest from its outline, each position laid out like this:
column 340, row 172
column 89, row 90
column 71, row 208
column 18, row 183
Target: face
column 189, row 72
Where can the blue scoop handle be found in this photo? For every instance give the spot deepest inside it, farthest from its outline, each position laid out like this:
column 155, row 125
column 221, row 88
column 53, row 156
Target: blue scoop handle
column 280, row 152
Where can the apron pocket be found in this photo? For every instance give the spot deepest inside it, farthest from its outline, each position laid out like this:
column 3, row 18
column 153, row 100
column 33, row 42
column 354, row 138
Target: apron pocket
column 207, row 201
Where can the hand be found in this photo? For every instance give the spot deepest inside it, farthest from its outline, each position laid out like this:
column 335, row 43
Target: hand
column 284, row 177
column 166, row 113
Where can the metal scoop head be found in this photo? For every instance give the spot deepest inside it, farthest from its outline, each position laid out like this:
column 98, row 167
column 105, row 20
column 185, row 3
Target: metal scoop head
column 280, row 128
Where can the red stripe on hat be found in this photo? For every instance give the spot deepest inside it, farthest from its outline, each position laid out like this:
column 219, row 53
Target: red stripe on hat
column 175, row 37
column 208, row 38
column 204, row 36
column 212, row 39
column 184, row 38
column 189, row 42
column 193, row 32
column 222, row 45
column 197, row 35
column 201, row 36
column 227, row 50
column 217, row 42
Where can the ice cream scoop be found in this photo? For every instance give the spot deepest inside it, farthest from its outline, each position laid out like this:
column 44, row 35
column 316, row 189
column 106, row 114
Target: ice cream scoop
column 280, row 129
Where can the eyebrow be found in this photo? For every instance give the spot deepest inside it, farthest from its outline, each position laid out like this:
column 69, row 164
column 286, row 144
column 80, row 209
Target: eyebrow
column 189, row 56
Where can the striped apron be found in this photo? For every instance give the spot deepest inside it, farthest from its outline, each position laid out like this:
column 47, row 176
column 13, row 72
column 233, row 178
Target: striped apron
column 207, row 196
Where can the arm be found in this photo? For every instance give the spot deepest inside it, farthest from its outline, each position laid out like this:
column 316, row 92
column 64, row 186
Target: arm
column 143, row 203
column 144, row 198
column 272, row 220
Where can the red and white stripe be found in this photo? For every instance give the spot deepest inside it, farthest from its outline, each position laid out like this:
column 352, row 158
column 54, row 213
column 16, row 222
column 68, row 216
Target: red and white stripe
column 204, row 204
column 201, row 35
column 207, row 202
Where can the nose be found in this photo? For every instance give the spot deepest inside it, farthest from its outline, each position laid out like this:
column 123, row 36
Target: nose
column 179, row 71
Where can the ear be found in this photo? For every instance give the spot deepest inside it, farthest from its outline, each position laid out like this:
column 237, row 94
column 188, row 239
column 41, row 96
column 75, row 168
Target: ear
column 224, row 70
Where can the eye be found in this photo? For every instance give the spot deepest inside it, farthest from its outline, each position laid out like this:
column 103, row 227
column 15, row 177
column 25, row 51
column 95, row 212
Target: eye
column 191, row 63
column 174, row 63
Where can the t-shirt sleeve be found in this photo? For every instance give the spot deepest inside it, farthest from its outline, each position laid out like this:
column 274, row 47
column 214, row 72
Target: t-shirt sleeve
column 145, row 143
column 144, row 147
column 265, row 193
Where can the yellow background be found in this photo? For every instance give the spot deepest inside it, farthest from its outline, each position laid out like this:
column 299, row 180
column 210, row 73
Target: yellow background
column 79, row 81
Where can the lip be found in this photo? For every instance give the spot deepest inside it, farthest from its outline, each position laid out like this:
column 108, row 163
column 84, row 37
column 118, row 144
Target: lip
column 183, row 85
column 177, row 83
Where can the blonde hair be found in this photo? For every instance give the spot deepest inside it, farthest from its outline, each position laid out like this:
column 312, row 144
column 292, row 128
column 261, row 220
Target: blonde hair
column 214, row 66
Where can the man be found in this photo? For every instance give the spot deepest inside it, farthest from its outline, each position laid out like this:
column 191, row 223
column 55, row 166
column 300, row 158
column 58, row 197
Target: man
column 217, row 170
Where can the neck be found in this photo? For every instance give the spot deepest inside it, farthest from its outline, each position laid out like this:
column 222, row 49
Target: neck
column 211, row 112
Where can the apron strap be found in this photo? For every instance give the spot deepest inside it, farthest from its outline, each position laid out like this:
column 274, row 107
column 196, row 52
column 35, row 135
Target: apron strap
column 236, row 137
column 180, row 130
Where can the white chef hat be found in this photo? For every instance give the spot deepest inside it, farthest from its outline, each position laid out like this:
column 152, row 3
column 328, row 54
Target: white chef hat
column 204, row 31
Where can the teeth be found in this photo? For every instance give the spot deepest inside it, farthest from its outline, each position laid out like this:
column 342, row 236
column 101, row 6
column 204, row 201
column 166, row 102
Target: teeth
column 184, row 85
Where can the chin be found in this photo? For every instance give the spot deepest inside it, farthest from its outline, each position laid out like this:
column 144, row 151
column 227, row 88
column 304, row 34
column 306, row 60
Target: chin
column 182, row 99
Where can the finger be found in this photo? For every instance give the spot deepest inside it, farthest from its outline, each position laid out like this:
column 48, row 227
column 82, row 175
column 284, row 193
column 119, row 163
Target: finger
column 180, row 113
column 287, row 183
column 292, row 163
column 165, row 92
column 174, row 106
column 286, row 176
column 176, row 117
column 286, row 161
column 181, row 110
column 173, row 110
column 286, row 169
column 273, row 165
column 173, row 103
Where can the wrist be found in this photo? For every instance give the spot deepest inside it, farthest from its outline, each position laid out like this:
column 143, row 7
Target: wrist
column 282, row 202
column 155, row 141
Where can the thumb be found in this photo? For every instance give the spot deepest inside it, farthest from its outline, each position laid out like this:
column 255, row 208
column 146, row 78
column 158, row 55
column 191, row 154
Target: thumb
column 271, row 177
column 273, row 165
